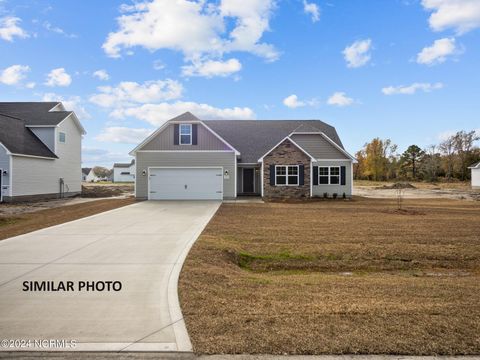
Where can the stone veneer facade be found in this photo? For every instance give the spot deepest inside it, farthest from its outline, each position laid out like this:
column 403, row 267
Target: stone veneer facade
column 286, row 154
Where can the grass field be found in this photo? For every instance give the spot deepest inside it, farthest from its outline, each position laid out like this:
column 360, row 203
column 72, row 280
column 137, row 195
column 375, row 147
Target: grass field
column 336, row 277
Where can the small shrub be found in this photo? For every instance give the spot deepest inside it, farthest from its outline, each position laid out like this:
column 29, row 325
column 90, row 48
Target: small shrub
column 325, row 195
column 344, row 196
column 334, row 195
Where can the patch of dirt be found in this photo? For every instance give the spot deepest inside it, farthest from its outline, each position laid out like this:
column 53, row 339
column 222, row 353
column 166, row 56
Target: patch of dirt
column 102, row 190
column 398, row 185
column 336, row 278
column 404, row 212
column 13, row 225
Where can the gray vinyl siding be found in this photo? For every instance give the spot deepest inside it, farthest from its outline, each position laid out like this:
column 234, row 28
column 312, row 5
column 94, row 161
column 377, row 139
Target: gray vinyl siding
column 224, row 159
column 32, row 176
column 205, row 141
column 46, row 134
column 5, row 165
column 317, row 146
column 318, row 190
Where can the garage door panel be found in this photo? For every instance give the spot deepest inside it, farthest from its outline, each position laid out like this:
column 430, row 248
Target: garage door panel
column 186, row 183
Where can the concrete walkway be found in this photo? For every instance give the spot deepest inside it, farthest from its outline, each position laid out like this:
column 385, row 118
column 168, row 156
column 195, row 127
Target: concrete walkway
column 142, row 246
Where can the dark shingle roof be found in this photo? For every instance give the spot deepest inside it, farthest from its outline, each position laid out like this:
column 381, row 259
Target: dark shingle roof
column 474, row 165
column 85, row 171
column 34, row 113
column 124, row 165
column 18, row 139
column 253, row 138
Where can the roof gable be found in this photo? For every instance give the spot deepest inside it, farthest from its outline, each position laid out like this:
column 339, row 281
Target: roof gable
column 19, row 140
column 253, row 138
column 39, row 113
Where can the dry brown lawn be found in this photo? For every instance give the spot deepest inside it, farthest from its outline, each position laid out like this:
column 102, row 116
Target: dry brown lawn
column 336, row 277
column 17, row 224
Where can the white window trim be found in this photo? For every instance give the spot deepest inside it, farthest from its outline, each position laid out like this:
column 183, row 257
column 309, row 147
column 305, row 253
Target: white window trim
column 59, row 137
column 180, row 134
column 286, row 175
column 329, row 175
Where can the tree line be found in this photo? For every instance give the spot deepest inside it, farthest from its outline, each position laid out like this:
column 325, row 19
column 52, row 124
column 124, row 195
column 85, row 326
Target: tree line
column 450, row 159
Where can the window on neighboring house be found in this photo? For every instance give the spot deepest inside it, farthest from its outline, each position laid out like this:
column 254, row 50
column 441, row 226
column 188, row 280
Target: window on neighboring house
column 62, row 137
column 329, row 175
column 286, row 175
column 185, row 134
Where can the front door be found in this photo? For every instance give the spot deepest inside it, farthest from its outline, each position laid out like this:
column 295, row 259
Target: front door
column 248, row 181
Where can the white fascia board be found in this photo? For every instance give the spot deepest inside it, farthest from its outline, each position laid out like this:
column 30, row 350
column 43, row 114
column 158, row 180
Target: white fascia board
column 293, row 142
column 221, row 139
column 76, row 121
column 161, row 128
column 339, row 148
column 34, row 156
column 328, row 139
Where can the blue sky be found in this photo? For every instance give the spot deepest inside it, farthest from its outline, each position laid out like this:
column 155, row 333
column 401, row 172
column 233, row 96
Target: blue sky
column 401, row 69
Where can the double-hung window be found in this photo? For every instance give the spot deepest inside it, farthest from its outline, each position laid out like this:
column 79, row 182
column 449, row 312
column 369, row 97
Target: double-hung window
column 185, row 134
column 62, row 137
column 286, row 175
column 329, row 175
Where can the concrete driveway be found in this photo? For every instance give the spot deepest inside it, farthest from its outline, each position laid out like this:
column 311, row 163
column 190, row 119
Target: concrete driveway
column 142, row 246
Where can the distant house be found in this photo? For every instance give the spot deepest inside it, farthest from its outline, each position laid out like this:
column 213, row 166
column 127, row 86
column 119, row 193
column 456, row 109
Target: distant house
column 124, row 172
column 94, row 176
column 85, row 172
column 40, row 151
column 475, row 168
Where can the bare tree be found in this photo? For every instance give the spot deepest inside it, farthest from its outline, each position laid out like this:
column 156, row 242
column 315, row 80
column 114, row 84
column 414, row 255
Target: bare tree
column 447, row 148
column 431, row 163
column 463, row 144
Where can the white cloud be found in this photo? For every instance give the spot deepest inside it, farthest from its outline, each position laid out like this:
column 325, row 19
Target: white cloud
column 124, row 135
column 461, row 15
column 58, row 77
column 211, row 68
column 198, row 29
column 71, row 103
column 437, row 53
column 101, row 75
column 357, row 54
column 158, row 65
column 102, row 157
column 9, row 28
column 14, row 74
column 292, row 102
column 128, row 93
column 411, row 89
column 157, row 114
column 340, row 99
column 57, row 30
column 312, row 9
column 30, row 85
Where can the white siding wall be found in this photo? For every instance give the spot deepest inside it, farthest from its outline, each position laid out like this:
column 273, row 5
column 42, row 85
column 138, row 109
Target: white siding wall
column 5, row 165
column 318, row 190
column 476, row 178
column 47, row 135
column 119, row 177
column 33, row 176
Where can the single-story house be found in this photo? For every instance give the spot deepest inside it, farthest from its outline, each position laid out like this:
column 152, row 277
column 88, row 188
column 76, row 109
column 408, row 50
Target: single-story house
column 40, row 151
column 475, row 168
column 124, row 172
column 189, row 158
column 93, row 176
column 85, row 172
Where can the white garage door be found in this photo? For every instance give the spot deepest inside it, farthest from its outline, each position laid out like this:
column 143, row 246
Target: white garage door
column 186, row 184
